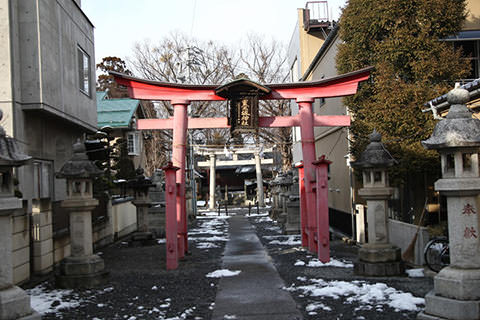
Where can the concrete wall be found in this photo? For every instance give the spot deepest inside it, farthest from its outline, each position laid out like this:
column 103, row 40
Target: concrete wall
column 473, row 18
column 332, row 141
column 124, row 216
column 49, row 34
column 6, row 66
column 43, row 106
column 401, row 235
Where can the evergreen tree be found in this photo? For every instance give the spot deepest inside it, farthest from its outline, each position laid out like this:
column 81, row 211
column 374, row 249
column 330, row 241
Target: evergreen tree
column 402, row 40
column 106, row 81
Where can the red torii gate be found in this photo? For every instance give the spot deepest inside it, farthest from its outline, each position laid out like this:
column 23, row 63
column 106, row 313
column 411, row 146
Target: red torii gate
column 180, row 96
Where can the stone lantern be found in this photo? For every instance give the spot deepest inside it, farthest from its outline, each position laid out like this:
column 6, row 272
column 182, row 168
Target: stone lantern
column 82, row 268
column 14, row 302
column 142, row 202
column 275, row 189
column 292, row 225
column 377, row 257
column 456, row 293
column 285, row 183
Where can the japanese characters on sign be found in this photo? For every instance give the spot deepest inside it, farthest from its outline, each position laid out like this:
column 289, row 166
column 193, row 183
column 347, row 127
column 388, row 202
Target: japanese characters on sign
column 244, row 114
column 468, row 209
column 470, row 232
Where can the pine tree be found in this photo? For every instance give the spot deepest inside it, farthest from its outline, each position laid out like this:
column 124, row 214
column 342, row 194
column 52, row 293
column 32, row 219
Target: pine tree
column 106, row 81
column 402, row 40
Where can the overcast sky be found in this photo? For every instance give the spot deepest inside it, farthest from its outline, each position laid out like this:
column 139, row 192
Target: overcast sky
column 121, row 23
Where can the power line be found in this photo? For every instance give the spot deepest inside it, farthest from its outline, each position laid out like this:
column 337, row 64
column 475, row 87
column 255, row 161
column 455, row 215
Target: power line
column 193, row 17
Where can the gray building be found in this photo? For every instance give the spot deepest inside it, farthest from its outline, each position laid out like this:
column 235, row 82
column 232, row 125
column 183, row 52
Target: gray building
column 47, row 95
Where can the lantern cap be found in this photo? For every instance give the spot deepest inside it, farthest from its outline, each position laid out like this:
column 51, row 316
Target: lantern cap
column 458, row 129
column 79, row 166
column 9, row 153
column 140, row 181
column 375, row 155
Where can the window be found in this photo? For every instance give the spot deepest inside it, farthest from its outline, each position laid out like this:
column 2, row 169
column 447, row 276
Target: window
column 471, row 52
column 467, row 161
column 42, row 179
column 450, row 162
column 84, row 71
column 133, row 143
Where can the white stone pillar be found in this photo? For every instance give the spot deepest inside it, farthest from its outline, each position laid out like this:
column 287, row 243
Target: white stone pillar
column 258, row 169
column 360, row 223
column 211, row 202
column 42, row 236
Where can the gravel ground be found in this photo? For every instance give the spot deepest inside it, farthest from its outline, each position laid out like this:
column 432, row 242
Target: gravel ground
column 341, row 307
column 141, row 288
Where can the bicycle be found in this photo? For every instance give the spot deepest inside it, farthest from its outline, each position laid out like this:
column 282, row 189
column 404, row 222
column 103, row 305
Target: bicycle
column 437, row 253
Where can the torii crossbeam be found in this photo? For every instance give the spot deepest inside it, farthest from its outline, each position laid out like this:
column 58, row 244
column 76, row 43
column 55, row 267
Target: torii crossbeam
column 180, row 96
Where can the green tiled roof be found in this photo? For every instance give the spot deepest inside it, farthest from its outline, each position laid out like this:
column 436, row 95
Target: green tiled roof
column 116, row 113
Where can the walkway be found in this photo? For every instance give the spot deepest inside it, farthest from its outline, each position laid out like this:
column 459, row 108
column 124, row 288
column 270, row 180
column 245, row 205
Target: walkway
column 256, row 293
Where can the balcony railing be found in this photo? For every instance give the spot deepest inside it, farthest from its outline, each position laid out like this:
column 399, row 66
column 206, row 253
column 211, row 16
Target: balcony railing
column 316, row 15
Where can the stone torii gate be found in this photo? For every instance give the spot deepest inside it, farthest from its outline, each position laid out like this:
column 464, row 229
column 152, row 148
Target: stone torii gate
column 180, row 96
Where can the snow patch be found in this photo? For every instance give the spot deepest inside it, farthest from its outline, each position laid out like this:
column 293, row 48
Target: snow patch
column 299, row 263
column 317, row 305
column 223, row 273
column 206, row 245
column 368, row 295
column 315, row 263
column 52, row 301
column 290, row 241
column 415, row 273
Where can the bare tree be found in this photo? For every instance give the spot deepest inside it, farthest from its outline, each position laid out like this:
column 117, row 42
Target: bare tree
column 265, row 63
column 179, row 59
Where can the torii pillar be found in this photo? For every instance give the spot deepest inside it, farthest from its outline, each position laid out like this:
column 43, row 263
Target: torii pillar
column 180, row 118
column 305, row 93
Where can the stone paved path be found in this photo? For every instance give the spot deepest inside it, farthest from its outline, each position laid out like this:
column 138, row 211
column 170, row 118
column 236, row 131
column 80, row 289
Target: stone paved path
column 256, row 293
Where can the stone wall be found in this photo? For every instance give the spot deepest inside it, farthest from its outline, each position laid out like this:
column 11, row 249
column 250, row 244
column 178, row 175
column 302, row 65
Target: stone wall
column 42, row 234
column 21, row 245
column 45, row 250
